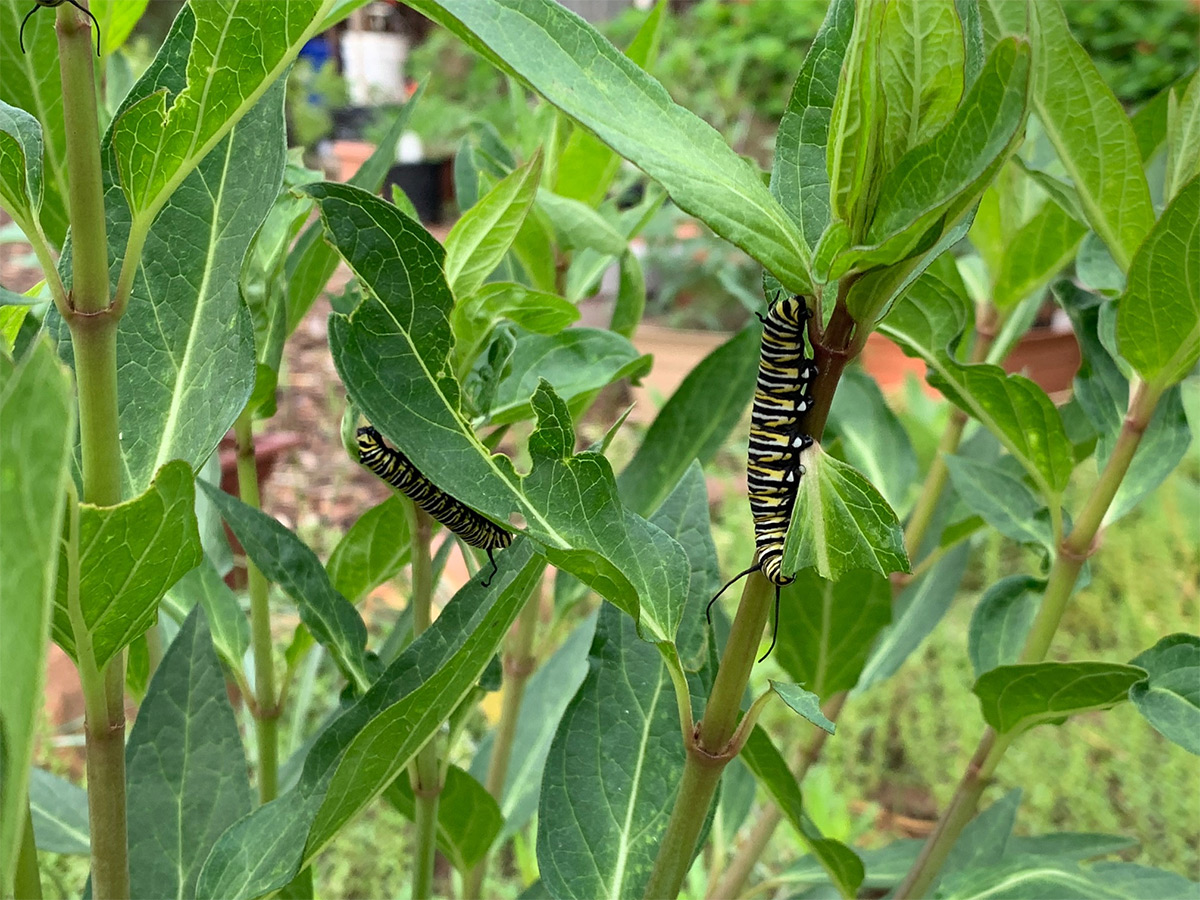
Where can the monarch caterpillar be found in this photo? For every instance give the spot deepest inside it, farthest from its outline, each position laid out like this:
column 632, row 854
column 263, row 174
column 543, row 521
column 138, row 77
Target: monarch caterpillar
column 397, row 470
column 781, row 398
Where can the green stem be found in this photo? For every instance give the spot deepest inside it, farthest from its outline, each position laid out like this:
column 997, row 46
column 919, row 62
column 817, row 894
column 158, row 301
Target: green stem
column 425, row 771
column 734, row 877
column 93, row 326
column 265, row 708
column 709, row 750
column 1068, row 561
column 27, row 882
column 519, row 663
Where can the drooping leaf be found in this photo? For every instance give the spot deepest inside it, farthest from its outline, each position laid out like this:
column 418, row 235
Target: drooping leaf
column 1035, row 253
column 918, row 609
column 363, row 751
column 563, row 58
column 806, row 703
column 577, row 226
column 1158, row 320
column 998, row 492
column 468, row 817
column 1001, row 621
column 827, row 628
column 872, row 438
column 60, row 814
column 374, row 549
column 185, row 767
column 842, row 865
column 841, row 523
column 392, row 355
column 1037, row 876
column 1169, row 698
column 984, row 840
column 129, row 555
column 1018, row 697
column 482, row 236
column 32, row 82
column 286, row 560
column 37, row 416
column 546, row 696
column 575, row 362
column 694, row 422
column 239, row 51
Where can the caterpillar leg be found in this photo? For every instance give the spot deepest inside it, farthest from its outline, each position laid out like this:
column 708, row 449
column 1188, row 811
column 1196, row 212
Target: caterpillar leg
column 495, row 569
column 774, row 629
column 757, row 567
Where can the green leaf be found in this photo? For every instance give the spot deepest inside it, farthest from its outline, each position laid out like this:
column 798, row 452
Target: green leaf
column 311, row 261
column 579, row 227
column 392, row 355
column 982, row 842
column 1183, row 139
column 841, row 522
column 841, row 863
column 1169, row 698
column 694, row 422
column 185, row 767
column 117, row 19
column 1103, row 394
column 240, row 49
column 830, row 627
column 927, row 318
column 32, row 83
column 950, row 169
column 1037, row 877
column 60, row 814
column 1158, row 322
column 575, row 362
column 612, row 771
column 630, row 304
column 286, row 560
column 917, row 612
column 1092, row 136
column 1035, row 253
column 1143, row 881
column 37, row 422
column 546, row 696
column 129, row 555
column 566, row 61
column 479, row 240
column 368, row 746
column 20, row 166
column 375, row 549
column 468, row 819
column 474, row 318
column 921, row 74
column 997, row 491
column 806, row 703
column 1001, row 621
column 872, row 438
column 586, row 167
column 1018, row 697
column 204, row 586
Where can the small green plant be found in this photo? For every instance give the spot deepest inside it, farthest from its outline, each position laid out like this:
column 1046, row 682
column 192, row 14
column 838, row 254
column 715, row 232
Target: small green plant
column 190, row 260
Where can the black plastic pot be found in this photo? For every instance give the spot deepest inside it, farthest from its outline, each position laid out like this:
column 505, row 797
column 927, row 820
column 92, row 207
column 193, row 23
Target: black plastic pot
column 423, row 183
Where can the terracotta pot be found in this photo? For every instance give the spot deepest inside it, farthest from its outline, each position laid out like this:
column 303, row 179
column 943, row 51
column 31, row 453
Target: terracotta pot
column 350, row 156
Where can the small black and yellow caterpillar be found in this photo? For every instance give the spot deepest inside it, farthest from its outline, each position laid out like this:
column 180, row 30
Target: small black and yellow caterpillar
column 782, row 396
column 397, row 470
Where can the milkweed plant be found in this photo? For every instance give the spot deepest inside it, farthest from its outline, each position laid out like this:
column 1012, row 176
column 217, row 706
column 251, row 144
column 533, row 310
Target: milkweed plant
column 180, row 245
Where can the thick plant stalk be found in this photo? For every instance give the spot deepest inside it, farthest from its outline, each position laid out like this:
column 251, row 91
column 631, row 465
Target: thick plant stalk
column 733, row 879
column 266, row 701
column 519, row 663
column 425, row 771
column 93, row 326
column 1068, row 561
column 709, row 751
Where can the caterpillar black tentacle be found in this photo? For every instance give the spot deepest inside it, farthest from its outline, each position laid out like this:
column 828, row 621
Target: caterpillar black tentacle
column 397, row 470
column 38, row 4
column 782, row 397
